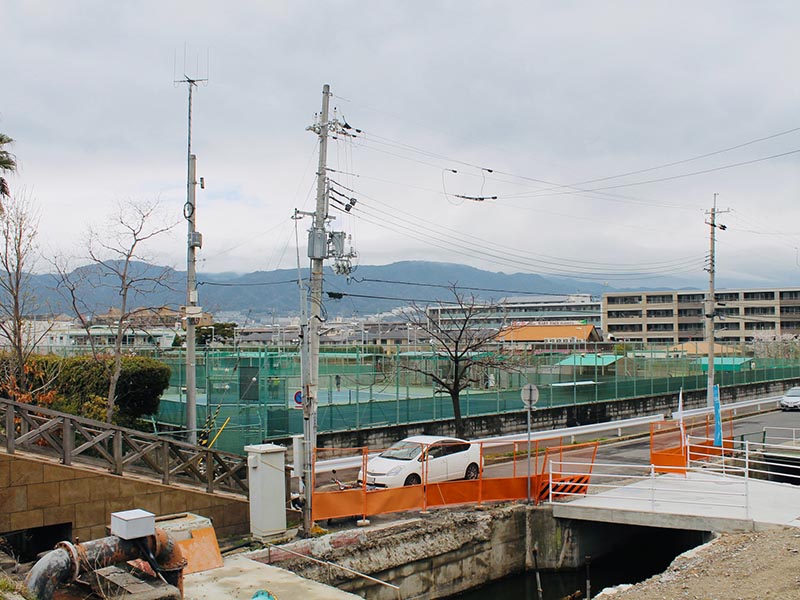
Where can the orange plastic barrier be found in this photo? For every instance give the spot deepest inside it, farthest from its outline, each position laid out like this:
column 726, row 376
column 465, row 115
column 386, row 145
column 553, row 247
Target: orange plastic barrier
column 363, row 502
column 341, row 503
column 671, row 460
column 668, row 451
column 453, row 492
column 394, row 499
column 509, row 488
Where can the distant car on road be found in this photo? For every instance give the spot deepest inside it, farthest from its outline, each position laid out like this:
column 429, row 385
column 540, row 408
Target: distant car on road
column 791, row 399
column 443, row 458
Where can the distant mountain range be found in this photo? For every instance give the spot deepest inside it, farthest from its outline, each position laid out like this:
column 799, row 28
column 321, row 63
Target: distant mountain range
column 369, row 290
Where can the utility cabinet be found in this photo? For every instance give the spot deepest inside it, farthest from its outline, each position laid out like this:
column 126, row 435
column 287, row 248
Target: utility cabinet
column 265, row 472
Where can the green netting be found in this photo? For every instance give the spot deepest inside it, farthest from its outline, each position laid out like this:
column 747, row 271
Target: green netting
column 255, row 390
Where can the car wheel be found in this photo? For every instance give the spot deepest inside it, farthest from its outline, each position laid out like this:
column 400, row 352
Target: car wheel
column 412, row 479
column 472, row 471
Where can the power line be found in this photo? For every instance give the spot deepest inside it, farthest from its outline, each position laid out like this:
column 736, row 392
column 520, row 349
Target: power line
column 574, row 187
column 340, row 295
column 686, row 160
column 469, row 240
column 457, row 287
column 220, row 284
column 509, row 256
column 683, row 175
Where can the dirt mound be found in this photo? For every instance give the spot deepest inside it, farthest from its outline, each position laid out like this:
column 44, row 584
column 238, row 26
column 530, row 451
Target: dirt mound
column 741, row 566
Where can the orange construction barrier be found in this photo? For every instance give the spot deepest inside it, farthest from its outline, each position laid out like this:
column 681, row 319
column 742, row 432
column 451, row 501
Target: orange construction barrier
column 669, row 452
column 360, row 501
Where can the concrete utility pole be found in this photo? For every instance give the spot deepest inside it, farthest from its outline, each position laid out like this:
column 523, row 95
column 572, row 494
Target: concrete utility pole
column 192, row 310
column 321, row 245
column 710, row 304
column 317, row 252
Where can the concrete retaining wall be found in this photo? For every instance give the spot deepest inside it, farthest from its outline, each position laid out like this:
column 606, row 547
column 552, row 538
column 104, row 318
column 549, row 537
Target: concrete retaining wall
column 37, row 492
column 449, row 551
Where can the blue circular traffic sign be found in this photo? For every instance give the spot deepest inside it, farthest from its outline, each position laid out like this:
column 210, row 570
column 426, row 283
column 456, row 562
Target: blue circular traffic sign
column 298, row 397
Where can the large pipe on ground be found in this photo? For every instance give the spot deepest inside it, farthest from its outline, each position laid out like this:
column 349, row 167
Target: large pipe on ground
column 68, row 561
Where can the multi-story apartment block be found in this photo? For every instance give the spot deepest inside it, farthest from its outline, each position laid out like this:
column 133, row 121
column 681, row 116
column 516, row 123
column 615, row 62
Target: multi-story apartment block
column 679, row 316
column 521, row 310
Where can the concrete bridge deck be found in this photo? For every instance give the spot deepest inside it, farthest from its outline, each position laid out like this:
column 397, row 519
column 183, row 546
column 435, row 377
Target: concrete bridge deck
column 697, row 500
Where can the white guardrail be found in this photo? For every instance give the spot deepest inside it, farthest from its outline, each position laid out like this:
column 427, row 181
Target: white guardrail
column 732, row 407
column 326, row 466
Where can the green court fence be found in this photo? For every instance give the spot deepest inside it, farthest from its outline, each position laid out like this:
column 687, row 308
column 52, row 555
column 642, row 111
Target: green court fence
column 254, row 391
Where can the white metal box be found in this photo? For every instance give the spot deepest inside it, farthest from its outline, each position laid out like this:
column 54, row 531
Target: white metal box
column 132, row 524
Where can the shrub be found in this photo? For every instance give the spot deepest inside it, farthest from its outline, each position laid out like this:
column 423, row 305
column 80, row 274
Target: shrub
column 79, row 385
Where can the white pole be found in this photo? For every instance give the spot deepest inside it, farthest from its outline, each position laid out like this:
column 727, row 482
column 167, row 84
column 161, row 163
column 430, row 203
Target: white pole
column 528, row 413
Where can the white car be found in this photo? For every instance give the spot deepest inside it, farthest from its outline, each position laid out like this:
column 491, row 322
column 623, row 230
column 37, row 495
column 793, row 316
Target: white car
column 442, row 458
column 791, row 399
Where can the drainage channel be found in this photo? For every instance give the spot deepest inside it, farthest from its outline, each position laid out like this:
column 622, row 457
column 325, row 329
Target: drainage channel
column 646, row 554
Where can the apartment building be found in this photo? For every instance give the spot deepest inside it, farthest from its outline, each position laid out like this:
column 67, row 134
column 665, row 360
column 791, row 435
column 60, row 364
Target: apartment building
column 677, row 316
column 527, row 310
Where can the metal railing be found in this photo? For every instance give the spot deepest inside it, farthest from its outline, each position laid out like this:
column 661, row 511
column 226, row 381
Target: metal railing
column 38, row 430
column 645, row 488
column 777, row 460
column 714, row 476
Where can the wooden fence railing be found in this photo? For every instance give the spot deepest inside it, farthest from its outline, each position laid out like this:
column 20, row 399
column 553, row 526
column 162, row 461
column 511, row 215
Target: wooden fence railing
column 120, row 450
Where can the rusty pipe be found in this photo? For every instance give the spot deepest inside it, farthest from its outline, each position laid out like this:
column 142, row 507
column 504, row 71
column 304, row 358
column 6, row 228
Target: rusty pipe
column 68, row 561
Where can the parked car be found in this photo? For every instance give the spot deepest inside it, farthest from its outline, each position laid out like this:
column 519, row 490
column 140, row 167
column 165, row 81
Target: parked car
column 442, row 458
column 791, row 399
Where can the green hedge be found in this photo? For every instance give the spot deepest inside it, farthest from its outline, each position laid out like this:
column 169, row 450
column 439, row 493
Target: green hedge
column 79, row 385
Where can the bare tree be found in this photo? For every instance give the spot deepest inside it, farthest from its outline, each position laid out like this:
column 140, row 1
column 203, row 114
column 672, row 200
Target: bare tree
column 115, row 253
column 19, row 226
column 462, row 343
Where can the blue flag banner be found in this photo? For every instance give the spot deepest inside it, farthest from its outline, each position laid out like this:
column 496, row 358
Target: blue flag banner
column 717, row 419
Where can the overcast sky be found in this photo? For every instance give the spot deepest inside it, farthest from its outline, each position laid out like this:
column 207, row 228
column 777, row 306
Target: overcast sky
column 519, row 98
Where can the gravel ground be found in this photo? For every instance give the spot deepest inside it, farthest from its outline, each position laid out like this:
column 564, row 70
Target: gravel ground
column 741, row 566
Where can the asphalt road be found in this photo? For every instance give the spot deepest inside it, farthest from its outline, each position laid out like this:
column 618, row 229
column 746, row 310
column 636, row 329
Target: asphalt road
column 634, row 450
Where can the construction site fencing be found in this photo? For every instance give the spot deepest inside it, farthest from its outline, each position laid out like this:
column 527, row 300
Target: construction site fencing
column 669, row 450
column 348, row 493
column 255, row 393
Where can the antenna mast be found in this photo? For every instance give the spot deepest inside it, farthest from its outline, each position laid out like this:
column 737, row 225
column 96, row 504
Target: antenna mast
column 193, row 312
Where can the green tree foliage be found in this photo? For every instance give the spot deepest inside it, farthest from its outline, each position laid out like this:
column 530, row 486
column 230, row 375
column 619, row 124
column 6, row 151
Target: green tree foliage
column 8, row 164
column 82, row 382
column 221, row 332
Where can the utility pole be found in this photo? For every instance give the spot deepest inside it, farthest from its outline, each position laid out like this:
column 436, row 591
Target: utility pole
column 321, row 245
column 710, row 304
column 192, row 310
column 317, row 252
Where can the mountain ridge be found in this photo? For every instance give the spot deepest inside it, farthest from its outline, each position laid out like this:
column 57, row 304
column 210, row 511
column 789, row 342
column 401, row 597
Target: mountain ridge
column 369, row 290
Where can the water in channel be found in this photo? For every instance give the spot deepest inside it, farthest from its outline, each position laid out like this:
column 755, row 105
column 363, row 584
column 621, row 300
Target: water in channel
column 644, row 557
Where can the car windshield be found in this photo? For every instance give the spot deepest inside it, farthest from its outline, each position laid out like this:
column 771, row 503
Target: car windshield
column 794, row 392
column 402, row 451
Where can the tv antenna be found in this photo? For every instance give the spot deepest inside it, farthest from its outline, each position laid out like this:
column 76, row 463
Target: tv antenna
column 193, row 312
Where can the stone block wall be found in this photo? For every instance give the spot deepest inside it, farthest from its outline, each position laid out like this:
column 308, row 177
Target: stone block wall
column 37, row 492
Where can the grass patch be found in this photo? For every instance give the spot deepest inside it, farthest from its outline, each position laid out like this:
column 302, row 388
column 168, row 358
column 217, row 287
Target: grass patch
column 9, row 586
